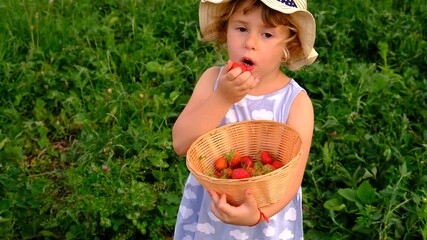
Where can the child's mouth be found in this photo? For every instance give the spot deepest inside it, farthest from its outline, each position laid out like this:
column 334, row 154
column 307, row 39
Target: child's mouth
column 248, row 62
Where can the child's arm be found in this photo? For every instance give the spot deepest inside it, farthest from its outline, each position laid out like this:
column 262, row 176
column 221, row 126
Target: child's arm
column 206, row 108
column 301, row 117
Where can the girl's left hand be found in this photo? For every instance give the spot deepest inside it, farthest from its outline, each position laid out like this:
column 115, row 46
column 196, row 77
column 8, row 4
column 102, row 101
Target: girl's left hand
column 247, row 214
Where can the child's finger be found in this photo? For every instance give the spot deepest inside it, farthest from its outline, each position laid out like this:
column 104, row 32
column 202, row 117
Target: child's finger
column 214, row 195
column 250, row 199
column 229, row 64
column 214, row 203
column 255, row 82
column 223, row 199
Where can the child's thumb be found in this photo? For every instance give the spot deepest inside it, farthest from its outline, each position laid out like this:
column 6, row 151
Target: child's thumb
column 250, row 198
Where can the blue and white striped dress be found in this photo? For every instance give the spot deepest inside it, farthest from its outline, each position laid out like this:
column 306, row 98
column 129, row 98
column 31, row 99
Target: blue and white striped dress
column 195, row 219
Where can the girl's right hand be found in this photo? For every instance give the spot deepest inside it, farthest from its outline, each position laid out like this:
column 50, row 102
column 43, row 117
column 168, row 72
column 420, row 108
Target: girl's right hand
column 234, row 84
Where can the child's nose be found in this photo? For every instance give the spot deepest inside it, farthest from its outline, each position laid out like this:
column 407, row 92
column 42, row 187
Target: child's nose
column 250, row 42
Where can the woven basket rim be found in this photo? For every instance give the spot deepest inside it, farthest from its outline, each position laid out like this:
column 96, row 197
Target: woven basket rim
column 229, row 125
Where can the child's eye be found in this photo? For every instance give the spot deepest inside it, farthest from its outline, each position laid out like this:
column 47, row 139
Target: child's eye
column 268, row 35
column 241, row 29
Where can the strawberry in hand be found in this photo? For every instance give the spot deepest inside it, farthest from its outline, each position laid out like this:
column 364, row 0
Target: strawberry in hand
column 238, row 65
column 246, row 65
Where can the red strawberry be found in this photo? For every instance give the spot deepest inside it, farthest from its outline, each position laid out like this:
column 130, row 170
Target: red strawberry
column 257, row 169
column 246, row 162
column 240, row 173
column 217, row 173
column 277, row 164
column 225, row 173
column 241, row 66
column 234, row 158
column 228, row 172
column 267, row 168
column 266, row 158
column 221, row 163
column 252, row 171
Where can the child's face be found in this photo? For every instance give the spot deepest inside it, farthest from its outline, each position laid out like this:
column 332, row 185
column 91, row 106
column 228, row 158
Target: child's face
column 251, row 41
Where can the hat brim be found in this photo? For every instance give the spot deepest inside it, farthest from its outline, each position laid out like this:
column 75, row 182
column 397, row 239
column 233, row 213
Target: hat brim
column 209, row 10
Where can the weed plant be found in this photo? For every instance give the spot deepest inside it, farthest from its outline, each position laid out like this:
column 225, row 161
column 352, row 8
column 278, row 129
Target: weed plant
column 89, row 92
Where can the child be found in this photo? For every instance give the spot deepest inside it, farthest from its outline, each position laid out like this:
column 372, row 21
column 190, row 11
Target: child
column 263, row 35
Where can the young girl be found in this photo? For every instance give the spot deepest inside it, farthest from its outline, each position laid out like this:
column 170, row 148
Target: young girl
column 263, row 35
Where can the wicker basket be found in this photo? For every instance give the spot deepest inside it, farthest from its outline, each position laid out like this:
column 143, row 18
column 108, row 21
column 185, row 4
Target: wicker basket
column 249, row 138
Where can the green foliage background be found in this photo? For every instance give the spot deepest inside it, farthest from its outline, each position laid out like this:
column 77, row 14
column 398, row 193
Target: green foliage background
column 89, row 91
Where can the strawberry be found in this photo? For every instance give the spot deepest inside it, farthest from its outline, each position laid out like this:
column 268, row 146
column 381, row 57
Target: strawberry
column 240, row 173
column 246, row 162
column 217, row 173
column 241, row 66
column 277, row 164
column 267, row 168
column 252, row 171
column 258, row 165
column 228, row 172
column 221, row 163
column 266, row 158
column 257, row 169
column 225, row 173
column 234, row 158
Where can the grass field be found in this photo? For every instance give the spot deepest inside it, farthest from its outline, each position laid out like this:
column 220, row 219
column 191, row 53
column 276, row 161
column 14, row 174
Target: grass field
column 89, row 91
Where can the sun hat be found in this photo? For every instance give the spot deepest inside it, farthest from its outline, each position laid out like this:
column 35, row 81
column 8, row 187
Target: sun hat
column 209, row 10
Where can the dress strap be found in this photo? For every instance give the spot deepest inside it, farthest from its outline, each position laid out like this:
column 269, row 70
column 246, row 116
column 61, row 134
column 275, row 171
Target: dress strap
column 217, row 79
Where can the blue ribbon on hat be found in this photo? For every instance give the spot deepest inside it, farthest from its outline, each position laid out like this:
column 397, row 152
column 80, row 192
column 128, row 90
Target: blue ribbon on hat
column 290, row 3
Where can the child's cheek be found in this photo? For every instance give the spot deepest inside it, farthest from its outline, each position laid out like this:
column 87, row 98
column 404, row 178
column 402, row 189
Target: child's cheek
column 234, row 50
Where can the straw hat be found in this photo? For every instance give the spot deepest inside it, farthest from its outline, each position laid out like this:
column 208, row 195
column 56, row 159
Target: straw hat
column 303, row 19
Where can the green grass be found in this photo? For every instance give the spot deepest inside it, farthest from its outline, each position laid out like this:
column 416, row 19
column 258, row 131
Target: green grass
column 89, row 92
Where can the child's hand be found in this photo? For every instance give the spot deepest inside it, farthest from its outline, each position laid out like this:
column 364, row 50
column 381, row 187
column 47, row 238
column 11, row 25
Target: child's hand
column 235, row 83
column 247, row 214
